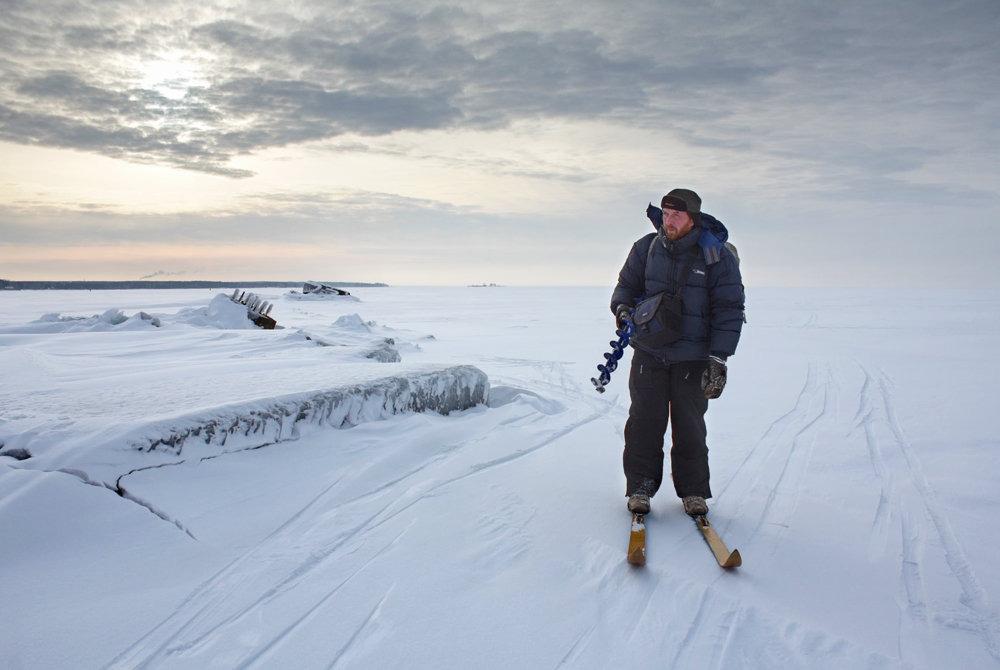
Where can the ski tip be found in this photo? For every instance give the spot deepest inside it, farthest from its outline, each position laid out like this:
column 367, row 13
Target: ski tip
column 734, row 560
column 637, row 540
column 638, row 556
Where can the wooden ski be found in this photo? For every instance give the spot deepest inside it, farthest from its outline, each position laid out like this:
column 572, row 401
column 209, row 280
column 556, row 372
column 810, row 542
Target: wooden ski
column 637, row 541
column 725, row 558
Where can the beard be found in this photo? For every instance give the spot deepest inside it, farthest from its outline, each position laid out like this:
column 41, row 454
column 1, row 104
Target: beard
column 673, row 234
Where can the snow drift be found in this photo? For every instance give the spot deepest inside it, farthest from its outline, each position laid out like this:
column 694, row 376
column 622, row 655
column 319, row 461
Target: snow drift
column 110, row 320
column 372, row 340
column 221, row 313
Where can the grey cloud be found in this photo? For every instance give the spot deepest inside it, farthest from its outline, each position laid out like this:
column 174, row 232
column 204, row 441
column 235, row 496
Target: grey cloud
column 288, row 81
column 118, row 141
column 492, row 79
column 74, row 94
column 849, row 87
column 101, row 38
column 320, row 113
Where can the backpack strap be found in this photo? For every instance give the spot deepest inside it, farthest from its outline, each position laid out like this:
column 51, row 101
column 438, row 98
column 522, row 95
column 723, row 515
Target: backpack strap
column 649, row 253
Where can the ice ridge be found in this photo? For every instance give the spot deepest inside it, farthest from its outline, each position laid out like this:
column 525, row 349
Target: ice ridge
column 282, row 417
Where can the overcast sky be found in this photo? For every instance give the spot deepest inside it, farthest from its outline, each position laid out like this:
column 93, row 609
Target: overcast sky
column 848, row 143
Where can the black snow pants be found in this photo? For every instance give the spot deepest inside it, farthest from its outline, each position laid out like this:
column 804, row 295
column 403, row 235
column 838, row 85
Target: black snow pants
column 660, row 393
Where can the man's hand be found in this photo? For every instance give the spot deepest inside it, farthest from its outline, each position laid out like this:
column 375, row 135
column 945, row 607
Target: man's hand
column 622, row 315
column 714, row 379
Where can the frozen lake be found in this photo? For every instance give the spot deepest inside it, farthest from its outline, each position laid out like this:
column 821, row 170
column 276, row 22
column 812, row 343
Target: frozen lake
column 854, row 467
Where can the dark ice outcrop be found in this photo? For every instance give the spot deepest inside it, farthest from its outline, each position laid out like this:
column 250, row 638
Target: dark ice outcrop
column 319, row 288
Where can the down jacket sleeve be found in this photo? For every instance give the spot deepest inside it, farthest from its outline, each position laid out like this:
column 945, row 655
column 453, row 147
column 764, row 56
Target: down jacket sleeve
column 726, row 304
column 631, row 279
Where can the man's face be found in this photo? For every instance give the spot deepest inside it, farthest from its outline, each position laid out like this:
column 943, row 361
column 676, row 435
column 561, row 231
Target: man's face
column 676, row 224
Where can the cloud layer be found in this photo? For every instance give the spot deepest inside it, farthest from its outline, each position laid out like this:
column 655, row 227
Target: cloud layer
column 170, row 84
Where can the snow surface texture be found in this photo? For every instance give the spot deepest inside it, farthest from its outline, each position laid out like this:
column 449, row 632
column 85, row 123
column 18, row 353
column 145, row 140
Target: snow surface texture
column 320, row 297
column 852, row 467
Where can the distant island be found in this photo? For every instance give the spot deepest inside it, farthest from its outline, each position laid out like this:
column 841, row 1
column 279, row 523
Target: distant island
column 483, row 285
column 140, row 284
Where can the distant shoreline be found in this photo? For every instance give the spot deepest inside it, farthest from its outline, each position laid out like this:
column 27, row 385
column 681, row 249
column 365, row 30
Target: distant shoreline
column 139, row 284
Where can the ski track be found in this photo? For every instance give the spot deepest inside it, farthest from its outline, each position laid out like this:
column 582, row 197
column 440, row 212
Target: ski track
column 692, row 633
column 168, row 638
column 974, row 596
column 623, row 594
column 912, row 579
column 886, row 479
column 564, row 381
column 980, row 616
column 223, row 587
column 728, row 634
column 751, row 470
column 357, row 633
column 211, row 583
column 576, row 649
column 876, row 413
column 275, row 643
column 488, row 465
column 776, row 466
column 316, row 559
column 783, row 497
column 731, row 624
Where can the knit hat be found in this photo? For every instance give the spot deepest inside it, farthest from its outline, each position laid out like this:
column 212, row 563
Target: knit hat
column 683, row 200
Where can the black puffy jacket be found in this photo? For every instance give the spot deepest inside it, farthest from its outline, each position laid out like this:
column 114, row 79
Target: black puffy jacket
column 713, row 297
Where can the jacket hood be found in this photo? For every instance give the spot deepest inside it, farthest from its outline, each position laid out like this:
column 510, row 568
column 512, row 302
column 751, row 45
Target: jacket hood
column 713, row 233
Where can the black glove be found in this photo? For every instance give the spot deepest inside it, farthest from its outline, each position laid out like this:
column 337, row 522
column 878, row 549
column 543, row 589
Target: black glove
column 714, row 379
column 622, row 315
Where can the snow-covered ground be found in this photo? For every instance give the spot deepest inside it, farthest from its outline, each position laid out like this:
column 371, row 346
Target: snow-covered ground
column 201, row 495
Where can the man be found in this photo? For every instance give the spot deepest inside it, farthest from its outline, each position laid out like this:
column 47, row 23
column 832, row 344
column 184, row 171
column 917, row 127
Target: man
column 687, row 324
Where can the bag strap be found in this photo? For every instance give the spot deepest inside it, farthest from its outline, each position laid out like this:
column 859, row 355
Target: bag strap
column 692, row 254
column 687, row 269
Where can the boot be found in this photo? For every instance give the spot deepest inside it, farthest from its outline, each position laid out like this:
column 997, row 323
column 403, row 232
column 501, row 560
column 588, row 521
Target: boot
column 695, row 506
column 638, row 503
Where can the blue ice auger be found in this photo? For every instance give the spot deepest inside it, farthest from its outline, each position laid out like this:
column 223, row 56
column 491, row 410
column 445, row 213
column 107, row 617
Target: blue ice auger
column 617, row 349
